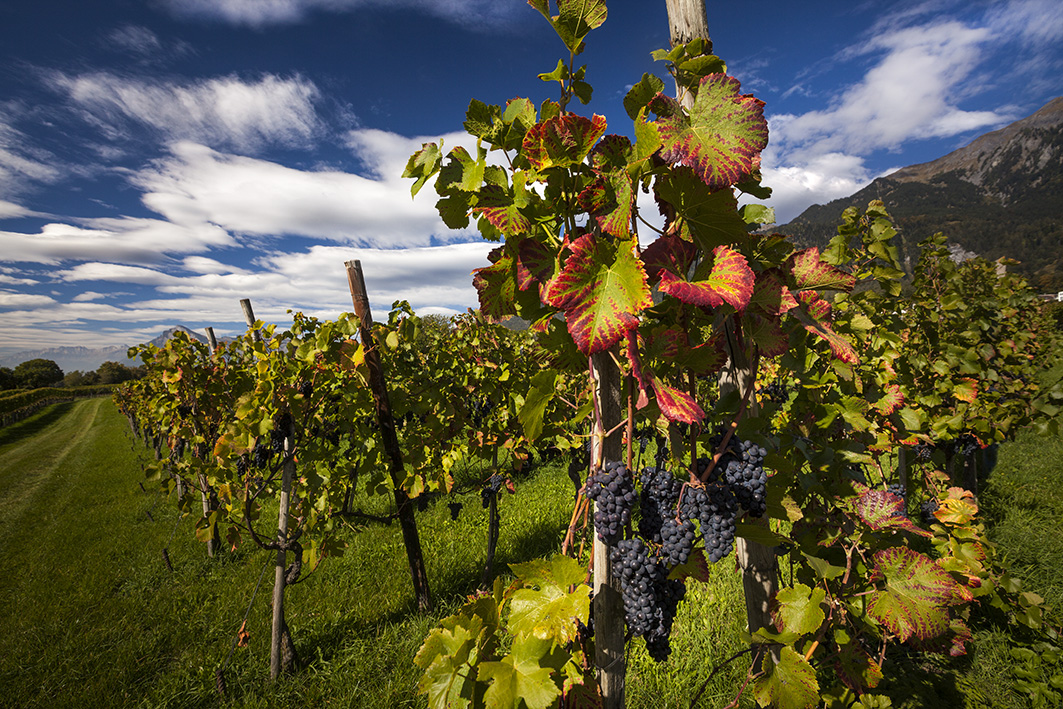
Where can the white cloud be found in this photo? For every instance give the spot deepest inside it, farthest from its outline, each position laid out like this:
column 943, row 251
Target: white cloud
column 248, row 196
column 1027, row 21
column 816, row 181
column 124, row 239
column 257, row 13
column 89, row 296
column 136, row 39
column 225, row 113
column 14, row 299
column 20, row 164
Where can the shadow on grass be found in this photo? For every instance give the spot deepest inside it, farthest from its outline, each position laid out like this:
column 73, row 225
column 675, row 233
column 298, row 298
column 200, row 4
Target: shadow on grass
column 34, row 424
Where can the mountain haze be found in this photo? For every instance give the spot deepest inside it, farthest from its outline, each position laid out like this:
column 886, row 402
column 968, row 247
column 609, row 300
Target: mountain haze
column 999, row 196
column 88, row 359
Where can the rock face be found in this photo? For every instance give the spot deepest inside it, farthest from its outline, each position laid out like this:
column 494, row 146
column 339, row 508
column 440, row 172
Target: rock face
column 999, row 196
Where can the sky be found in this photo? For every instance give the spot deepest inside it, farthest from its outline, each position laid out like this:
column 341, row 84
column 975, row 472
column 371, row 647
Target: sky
column 162, row 159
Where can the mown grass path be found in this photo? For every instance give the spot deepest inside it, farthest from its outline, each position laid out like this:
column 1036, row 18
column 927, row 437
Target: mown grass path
column 91, row 617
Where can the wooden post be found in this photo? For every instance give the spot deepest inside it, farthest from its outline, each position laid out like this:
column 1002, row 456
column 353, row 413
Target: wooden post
column 377, row 383
column 277, row 662
column 249, row 316
column 608, row 602
column 212, row 340
column 492, row 527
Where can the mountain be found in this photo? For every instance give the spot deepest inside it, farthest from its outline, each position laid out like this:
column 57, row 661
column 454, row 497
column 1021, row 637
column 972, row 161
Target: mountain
column 88, row 359
column 999, row 196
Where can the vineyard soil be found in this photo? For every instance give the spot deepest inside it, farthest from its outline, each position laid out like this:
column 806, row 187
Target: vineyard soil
column 92, row 616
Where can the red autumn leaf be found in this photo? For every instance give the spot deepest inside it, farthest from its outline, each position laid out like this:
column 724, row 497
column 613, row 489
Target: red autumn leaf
column 502, row 210
column 892, row 400
column 915, row 594
column 562, row 141
column 771, row 295
column 882, row 510
column 676, row 405
column 730, row 281
column 667, row 253
column 601, row 288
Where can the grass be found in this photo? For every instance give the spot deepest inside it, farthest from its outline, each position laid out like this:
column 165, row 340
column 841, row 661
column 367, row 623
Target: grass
column 92, row 616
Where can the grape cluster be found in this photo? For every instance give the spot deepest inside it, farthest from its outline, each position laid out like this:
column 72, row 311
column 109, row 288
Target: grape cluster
column 455, row 509
column 741, row 469
column 898, row 490
column 923, row 452
column 657, row 501
column 489, row 491
column 716, row 510
column 613, row 492
column 927, row 510
column 965, row 445
column 776, row 392
column 650, row 598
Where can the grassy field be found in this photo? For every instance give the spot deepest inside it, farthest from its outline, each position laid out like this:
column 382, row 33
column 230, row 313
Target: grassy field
column 92, row 616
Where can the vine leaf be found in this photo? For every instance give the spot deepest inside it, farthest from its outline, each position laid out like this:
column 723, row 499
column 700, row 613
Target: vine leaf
column 769, row 335
column 422, row 165
column 856, row 669
column 676, row 405
column 540, row 393
column 562, row 141
column 610, row 199
column 667, row 253
column 916, row 593
column 602, row 288
column 730, row 281
column 446, row 656
column 575, row 19
column 696, row 212
column 722, row 137
column 495, row 285
column 892, row 400
column 958, row 508
column 502, row 208
column 544, row 609
column 641, row 94
column 771, row 295
column 696, row 567
column 790, row 685
column 812, row 273
column 815, row 322
column 518, row 679
column 800, row 609
column 965, row 390
column 882, row 510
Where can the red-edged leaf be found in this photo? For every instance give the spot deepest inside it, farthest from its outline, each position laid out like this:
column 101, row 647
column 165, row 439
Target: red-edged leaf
column 583, row 696
column 730, row 281
column 856, row 669
column 535, row 264
column 771, row 295
column 952, row 643
column 676, row 405
column 722, row 137
column 915, row 596
column 767, row 332
column 892, row 400
column 562, row 141
column 601, row 288
column 635, row 359
column 811, row 273
column 815, row 321
column 883, row 510
column 667, row 253
column 501, row 209
column 610, row 200
column 496, row 286
column 966, row 390
column 697, row 568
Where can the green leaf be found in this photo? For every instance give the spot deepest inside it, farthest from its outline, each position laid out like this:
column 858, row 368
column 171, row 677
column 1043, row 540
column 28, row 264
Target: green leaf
column 602, row 288
column 916, row 594
column 423, row 165
column 791, row 684
column 641, row 94
column 856, row 669
column 757, row 214
column 496, row 285
column 559, row 74
column 723, row 135
column 708, row 218
column 577, row 18
column 484, row 121
column 539, row 395
column 447, row 658
column 518, row 679
column 502, row 208
column 800, row 609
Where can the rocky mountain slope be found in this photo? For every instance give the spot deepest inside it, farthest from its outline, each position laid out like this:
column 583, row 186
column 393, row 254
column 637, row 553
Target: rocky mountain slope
column 999, row 196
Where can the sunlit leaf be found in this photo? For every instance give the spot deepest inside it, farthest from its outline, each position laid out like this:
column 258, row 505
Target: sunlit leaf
column 722, row 137
column 730, row 281
column 915, row 594
column 790, row 684
column 800, row 609
column 562, row 141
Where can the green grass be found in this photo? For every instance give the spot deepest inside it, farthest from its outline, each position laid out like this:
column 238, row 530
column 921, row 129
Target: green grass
column 92, row 616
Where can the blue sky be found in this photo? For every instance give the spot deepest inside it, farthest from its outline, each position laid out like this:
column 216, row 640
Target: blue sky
column 161, row 159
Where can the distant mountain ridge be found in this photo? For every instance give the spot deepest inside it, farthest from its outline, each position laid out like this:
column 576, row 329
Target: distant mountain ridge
column 999, row 196
column 88, row 359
